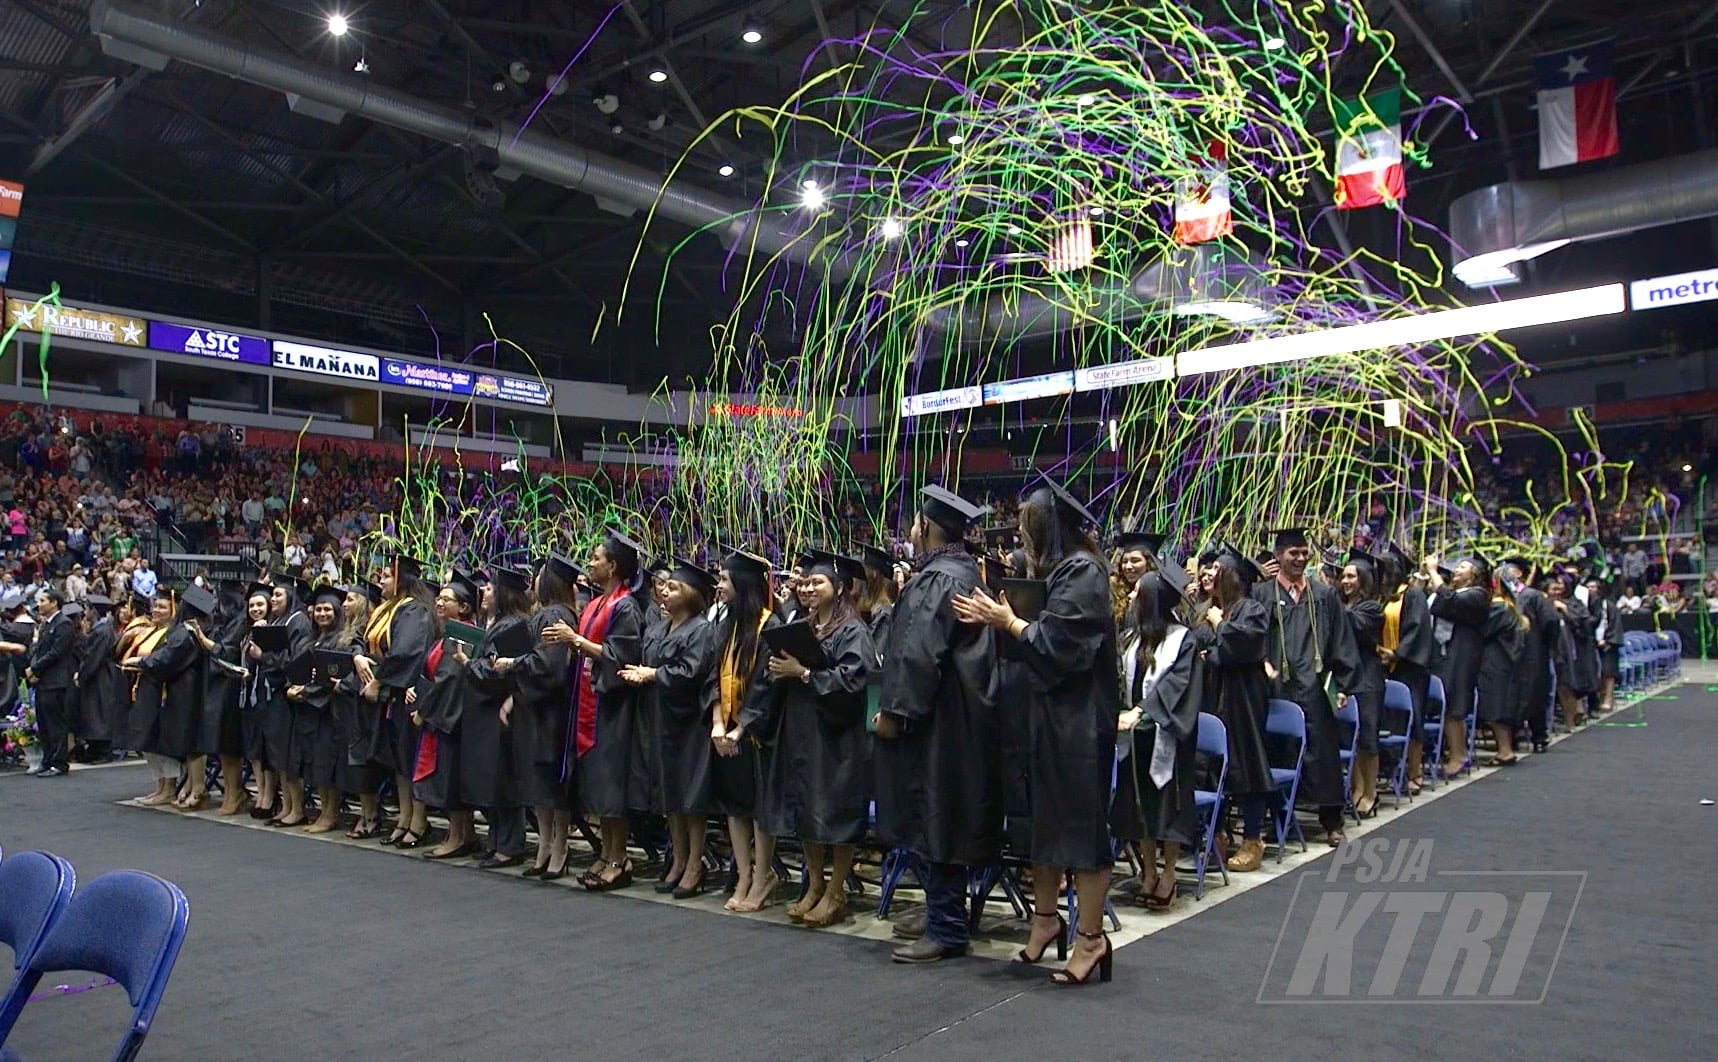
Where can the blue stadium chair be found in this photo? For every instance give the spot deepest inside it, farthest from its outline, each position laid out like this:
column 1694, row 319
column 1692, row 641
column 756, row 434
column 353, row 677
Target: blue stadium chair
column 1432, row 732
column 1211, row 741
column 34, row 889
column 1348, row 715
column 127, row 925
column 1287, row 721
column 1395, row 723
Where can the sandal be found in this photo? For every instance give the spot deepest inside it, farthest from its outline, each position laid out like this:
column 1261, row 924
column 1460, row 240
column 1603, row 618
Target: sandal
column 1102, row 967
column 363, row 831
column 1061, row 941
column 1157, row 901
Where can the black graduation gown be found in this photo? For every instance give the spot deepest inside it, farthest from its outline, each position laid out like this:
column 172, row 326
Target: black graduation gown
column 616, row 777
column 287, row 746
column 410, row 629
column 683, row 658
column 541, row 717
column 1609, row 650
column 1170, row 712
column 1533, row 658
column 1500, row 667
column 486, row 774
column 441, row 699
column 879, row 625
column 734, row 779
column 11, row 667
column 325, row 755
column 1366, row 621
column 221, row 732
column 1233, row 687
column 1577, row 653
column 1072, row 700
column 1309, row 640
column 99, row 684
column 169, row 705
column 1466, row 610
column 1416, row 649
column 939, row 782
column 353, row 733
column 253, row 705
column 817, row 784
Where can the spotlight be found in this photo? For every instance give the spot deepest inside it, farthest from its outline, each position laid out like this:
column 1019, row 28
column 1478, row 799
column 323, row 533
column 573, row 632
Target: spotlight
column 1086, row 100
column 1274, row 44
column 956, row 139
column 607, row 103
column 498, row 85
column 1096, row 212
column 658, row 76
column 751, row 34
column 617, row 129
column 1688, row 468
column 811, row 195
column 337, row 25
column 891, row 228
column 361, row 66
column 1015, row 230
column 962, row 242
column 725, row 169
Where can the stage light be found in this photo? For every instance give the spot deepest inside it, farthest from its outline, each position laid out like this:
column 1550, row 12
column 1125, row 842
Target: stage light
column 892, row 228
column 1274, row 44
column 658, row 76
column 956, row 139
column 725, row 170
column 1015, row 230
column 1086, row 100
column 337, row 25
column 752, row 34
column 962, row 242
column 811, row 195
column 1688, row 468
column 1096, row 212
column 1406, row 331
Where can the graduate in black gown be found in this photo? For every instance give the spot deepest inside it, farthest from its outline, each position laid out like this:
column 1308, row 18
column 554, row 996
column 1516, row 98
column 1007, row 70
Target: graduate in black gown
column 1407, row 645
column 877, row 595
column 1507, row 634
column 679, row 654
column 614, row 777
column 541, row 717
column 220, row 732
column 396, row 639
column 358, row 731
column 1158, row 732
column 438, row 707
column 170, row 686
column 1358, row 584
column 819, row 786
column 1533, row 679
column 1310, row 642
column 1608, row 640
column 1577, row 659
column 253, row 702
column 313, row 709
column 98, row 675
column 738, row 690
column 486, row 771
column 1067, row 677
column 1231, row 630
column 1461, row 600
column 288, row 736
column 938, row 761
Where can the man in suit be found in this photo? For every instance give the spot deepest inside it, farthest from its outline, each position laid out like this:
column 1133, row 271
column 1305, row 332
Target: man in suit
column 50, row 674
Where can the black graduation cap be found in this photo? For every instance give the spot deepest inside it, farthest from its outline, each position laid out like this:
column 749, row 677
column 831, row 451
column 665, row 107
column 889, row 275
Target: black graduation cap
column 254, row 589
column 1360, row 556
column 1245, row 568
column 738, row 560
column 1520, row 562
column 948, row 510
column 1445, row 574
column 369, row 590
column 465, row 584
column 1069, row 506
column 1174, row 575
column 233, row 587
column 1149, row 541
column 71, row 610
column 564, row 568
column 661, row 565
column 1288, row 537
column 407, row 567
column 334, row 595
column 845, row 569
column 512, row 578
column 1210, row 553
column 199, row 600
column 877, row 560
column 99, row 602
column 618, row 537
column 807, row 555
column 1400, row 556
column 684, row 571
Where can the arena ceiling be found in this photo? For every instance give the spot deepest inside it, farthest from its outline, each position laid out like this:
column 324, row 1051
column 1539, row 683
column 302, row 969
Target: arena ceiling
column 184, row 190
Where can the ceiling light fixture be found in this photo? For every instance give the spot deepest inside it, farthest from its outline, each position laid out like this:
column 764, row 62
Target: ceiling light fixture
column 726, row 169
column 892, row 228
column 1096, row 212
column 1274, row 44
column 607, row 103
column 962, row 242
column 1086, row 100
column 1405, row 331
column 811, row 195
column 751, row 34
column 956, row 139
column 1235, row 311
column 337, row 25
column 1015, row 230
column 659, row 120
column 658, row 76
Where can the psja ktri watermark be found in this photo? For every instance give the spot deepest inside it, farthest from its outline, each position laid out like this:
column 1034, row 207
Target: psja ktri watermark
column 1381, row 925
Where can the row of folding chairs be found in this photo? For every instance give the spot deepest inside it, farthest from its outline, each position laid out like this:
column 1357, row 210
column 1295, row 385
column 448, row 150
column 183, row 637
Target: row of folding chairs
column 125, row 925
column 1648, row 657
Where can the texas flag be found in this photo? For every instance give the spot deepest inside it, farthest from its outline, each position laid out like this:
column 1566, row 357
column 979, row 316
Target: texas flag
column 1577, row 106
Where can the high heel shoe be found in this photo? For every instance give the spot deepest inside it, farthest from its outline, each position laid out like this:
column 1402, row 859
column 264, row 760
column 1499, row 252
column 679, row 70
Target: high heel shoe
column 534, row 872
column 1104, row 966
column 1061, row 941
column 364, row 831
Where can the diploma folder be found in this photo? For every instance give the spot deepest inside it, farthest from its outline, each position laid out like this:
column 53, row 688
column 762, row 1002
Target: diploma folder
column 464, row 632
column 799, row 641
column 270, row 639
column 333, row 665
column 1026, row 596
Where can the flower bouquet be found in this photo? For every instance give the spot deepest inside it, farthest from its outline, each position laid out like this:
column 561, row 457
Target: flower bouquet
column 20, row 744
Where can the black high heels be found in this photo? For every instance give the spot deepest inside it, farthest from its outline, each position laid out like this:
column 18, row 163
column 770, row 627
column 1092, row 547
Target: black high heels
column 1061, row 942
column 1103, row 967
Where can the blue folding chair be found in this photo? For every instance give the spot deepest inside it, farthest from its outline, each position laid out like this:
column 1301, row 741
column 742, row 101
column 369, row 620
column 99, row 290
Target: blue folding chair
column 34, row 890
column 1348, row 715
column 1212, row 740
column 1432, row 731
column 127, row 925
column 1398, row 716
column 1284, row 719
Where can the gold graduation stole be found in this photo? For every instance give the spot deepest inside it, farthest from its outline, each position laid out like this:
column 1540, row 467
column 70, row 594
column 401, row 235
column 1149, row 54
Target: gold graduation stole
column 376, row 631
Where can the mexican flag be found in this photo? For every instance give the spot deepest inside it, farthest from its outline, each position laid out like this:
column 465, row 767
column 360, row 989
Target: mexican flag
column 1202, row 199
column 1369, row 151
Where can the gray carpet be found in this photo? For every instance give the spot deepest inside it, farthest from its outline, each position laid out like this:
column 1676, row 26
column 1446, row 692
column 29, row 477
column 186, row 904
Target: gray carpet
column 303, row 950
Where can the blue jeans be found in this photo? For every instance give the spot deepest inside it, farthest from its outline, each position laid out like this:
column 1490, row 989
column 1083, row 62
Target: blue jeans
column 946, row 904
